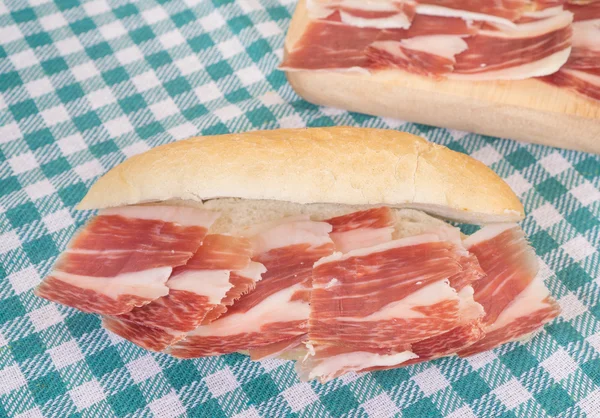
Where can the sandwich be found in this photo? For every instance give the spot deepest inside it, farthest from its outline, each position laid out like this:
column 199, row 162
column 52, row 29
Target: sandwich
column 526, row 70
column 337, row 248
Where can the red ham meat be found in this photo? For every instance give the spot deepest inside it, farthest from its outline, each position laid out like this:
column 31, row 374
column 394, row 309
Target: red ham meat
column 362, row 229
column 515, row 300
column 273, row 316
column 123, row 257
column 179, row 310
column 375, row 14
column 332, row 46
column 368, row 306
column 581, row 73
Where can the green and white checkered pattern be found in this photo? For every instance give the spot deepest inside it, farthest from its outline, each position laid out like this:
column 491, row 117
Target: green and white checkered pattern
column 85, row 85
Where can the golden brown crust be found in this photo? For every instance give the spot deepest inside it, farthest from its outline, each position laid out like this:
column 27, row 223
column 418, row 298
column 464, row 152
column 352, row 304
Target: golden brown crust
column 341, row 165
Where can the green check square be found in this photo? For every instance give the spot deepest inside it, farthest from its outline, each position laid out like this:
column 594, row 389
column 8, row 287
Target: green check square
column 23, row 214
column 103, row 148
column 595, row 310
column 217, row 129
column 573, row 277
column 150, row 130
column 219, row 70
column 554, row 400
column 182, row 374
column 589, row 168
column 260, row 116
column 278, row 13
column 24, row 109
column 133, row 103
column 98, row 51
column 201, row 42
column 23, row 15
column 258, row 49
column 471, row 387
column 194, row 112
column 40, row 249
column 159, row 59
column 39, row 139
column 277, row 79
column 219, row 3
column 260, row 389
column 56, row 167
column 54, row 66
column 125, row 11
column 339, row 401
column 551, row 189
column 47, row 387
column 71, row 92
column 183, row 18
column 177, row 86
column 239, row 23
column 9, row 185
column 80, row 324
column 10, row 80
column 104, row 361
column 582, row 219
column 520, row 159
column 208, row 409
column 10, row 308
column 421, row 409
column 127, row 401
column 456, row 146
column 519, row 360
column 115, row 76
column 82, row 26
column 543, row 242
column 66, row 4
column 563, row 333
column 592, row 369
column 425, row 129
column 71, row 195
column 141, row 35
column 237, row 96
column 27, row 348
column 389, row 379
column 87, row 121
column 38, row 39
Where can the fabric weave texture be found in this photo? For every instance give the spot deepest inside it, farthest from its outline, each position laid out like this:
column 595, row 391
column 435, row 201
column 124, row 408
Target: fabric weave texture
column 84, row 85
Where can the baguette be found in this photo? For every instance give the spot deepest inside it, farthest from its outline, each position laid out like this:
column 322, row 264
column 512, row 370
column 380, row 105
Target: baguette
column 342, row 165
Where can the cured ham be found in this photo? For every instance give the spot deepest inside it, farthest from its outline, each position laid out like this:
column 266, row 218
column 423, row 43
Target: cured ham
column 515, row 301
column 123, row 257
column 377, row 14
column 274, row 315
column 179, row 310
column 581, row 73
column 362, row 229
column 368, row 306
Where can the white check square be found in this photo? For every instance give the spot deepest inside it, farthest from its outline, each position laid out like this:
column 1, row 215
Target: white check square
column 129, row 55
column 89, row 170
column 431, row 381
column 221, row 382
column 58, row 220
column 23, row 163
column 299, row 396
column 65, row 354
column 171, row 39
column 24, row 59
column 40, row 189
column 53, row 21
column 55, row 115
column 101, row 98
column 23, row 280
column 119, row 126
column 87, row 394
column 112, row 30
column 45, row 317
column 69, row 46
column 39, row 87
column 71, row 144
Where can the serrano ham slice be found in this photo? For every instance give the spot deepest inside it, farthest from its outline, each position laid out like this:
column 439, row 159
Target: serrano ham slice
column 368, row 306
column 515, row 300
column 274, row 315
column 123, row 257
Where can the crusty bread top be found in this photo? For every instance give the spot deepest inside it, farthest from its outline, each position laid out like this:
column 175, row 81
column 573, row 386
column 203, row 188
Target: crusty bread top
column 342, row 165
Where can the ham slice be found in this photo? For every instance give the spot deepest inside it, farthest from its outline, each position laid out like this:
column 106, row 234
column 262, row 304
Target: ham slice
column 515, row 300
column 380, row 14
column 273, row 316
column 123, row 257
column 368, row 306
column 362, row 229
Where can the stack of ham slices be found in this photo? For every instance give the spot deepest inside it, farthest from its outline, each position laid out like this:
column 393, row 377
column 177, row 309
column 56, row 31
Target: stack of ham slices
column 313, row 245
column 456, row 39
column 355, row 292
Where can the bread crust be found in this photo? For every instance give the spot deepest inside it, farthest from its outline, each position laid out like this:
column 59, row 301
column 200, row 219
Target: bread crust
column 338, row 165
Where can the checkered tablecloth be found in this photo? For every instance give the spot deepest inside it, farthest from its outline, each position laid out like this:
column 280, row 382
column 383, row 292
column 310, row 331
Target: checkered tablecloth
column 85, row 85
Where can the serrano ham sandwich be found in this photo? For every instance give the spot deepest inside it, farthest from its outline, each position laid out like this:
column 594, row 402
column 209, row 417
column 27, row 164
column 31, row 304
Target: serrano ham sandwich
column 325, row 246
column 521, row 69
